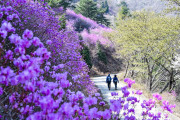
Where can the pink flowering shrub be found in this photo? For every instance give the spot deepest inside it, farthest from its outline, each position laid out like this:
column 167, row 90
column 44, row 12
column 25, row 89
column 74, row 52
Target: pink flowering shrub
column 157, row 96
column 80, row 23
column 90, row 38
column 90, row 30
column 124, row 107
column 71, row 15
column 129, row 82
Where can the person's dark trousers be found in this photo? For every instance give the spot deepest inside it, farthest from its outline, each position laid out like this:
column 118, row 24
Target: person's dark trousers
column 109, row 85
column 115, row 83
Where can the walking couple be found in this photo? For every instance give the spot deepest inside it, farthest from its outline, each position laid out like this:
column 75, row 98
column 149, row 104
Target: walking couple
column 115, row 80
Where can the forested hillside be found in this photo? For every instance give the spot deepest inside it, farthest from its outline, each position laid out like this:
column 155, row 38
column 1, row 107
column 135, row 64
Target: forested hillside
column 153, row 5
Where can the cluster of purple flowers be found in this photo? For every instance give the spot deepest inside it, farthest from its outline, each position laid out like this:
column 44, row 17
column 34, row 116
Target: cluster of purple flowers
column 114, row 94
column 71, row 15
column 93, row 38
column 139, row 92
column 157, row 96
column 129, row 82
column 95, row 31
column 167, row 106
column 124, row 107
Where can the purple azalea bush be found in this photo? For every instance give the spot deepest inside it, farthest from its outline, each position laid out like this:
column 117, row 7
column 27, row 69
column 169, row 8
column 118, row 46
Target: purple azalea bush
column 65, row 45
column 43, row 76
column 91, row 31
column 71, row 15
column 90, row 38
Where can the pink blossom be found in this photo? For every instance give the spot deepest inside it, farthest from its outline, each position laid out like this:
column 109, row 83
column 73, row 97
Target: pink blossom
column 139, row 92
column 167, row 106
column 14, row 38
column 157, row 96
column 97, row 94
column 27, row 34
column 19, row 50
column 102, row 103
column 36, row 41
column 129, row 82
column 3, row 33
column 9, row 8
column 9, row 55
column 7, row 27
column 48, row 42
column 114, row 94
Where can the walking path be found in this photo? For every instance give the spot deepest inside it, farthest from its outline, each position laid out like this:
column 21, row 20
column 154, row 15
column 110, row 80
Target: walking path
column 100, row 82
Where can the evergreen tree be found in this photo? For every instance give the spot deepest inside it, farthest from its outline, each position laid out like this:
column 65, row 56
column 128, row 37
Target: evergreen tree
column 100, row 18
column 124, row 11
column 106, row 6
column 57, row 3
column 80, row 25
column 65, row 3
column 85, row 52
column 123, row 3
column 87, row 8
column 101, row 54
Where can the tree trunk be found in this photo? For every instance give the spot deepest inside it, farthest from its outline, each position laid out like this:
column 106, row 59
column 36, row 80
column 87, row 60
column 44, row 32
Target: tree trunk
column 150, row 77
column 171, row 80
column 126, row 69
column 150, row 85
column 166, row 86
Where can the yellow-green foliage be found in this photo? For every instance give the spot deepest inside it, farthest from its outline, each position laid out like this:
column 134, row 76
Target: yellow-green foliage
column 147, row 35
column 173, row 6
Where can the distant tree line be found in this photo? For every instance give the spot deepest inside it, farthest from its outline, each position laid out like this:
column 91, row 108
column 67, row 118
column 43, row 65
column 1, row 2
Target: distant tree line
column 89, row 8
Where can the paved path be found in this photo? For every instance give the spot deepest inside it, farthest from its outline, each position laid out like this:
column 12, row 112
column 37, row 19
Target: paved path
column 100, row 82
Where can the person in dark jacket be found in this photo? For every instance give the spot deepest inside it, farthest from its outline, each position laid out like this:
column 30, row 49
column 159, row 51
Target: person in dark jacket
column 108, row 81
column 115, row 80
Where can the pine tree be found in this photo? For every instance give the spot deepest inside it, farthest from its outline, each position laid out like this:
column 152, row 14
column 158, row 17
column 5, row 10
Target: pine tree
column 87, row 8
column 65, row 3
column 124, row 11
column 101, row 18
column 57, row 3
column 85, row 52
column 123, row 3
column 107, row 6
